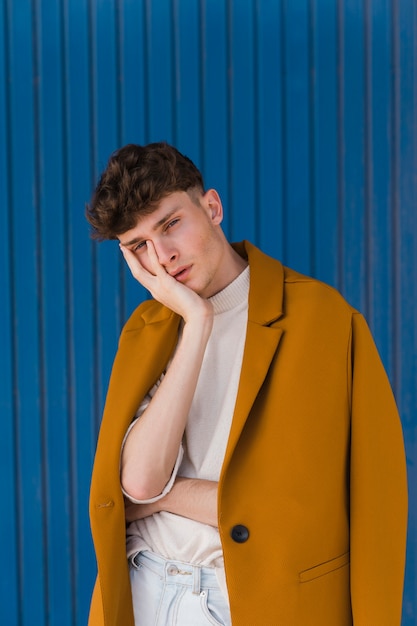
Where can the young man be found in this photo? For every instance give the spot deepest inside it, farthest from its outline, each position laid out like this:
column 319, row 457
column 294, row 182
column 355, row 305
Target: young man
column 249, row 424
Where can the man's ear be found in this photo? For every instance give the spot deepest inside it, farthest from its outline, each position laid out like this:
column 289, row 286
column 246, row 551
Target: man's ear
column 214, row 205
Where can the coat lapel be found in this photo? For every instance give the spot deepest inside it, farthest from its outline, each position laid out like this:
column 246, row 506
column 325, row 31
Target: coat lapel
column 262, row 339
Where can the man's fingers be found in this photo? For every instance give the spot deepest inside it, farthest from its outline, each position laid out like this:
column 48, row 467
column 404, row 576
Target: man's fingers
column 129, row 257
column 157, row 280
column 136, row 266
column 137, row 269
column 150, row 279
column 153, row 258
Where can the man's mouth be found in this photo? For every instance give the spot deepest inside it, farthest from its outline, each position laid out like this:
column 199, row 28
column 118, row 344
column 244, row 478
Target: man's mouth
column 182, row 273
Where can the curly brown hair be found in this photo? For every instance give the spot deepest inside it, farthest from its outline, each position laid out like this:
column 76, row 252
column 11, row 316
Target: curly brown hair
column 135, row 180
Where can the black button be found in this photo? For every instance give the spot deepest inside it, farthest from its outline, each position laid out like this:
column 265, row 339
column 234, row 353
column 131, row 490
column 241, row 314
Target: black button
column 239, row 533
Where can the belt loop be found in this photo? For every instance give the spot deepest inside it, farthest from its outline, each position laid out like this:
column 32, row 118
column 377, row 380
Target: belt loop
column 196, row 580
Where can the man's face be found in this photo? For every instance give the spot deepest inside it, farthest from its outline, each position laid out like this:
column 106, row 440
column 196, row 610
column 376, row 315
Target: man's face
column 190, row 245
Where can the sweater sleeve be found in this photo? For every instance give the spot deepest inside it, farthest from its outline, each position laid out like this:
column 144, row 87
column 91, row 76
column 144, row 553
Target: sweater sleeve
column 378, row 504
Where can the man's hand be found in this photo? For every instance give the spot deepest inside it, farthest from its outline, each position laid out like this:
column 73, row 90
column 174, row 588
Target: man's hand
column 164, row 288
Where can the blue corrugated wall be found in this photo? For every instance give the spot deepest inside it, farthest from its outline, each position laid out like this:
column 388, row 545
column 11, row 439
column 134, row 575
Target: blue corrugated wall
column 301, row 112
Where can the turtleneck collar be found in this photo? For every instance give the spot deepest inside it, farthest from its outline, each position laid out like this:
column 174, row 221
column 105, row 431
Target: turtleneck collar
column 233, row 295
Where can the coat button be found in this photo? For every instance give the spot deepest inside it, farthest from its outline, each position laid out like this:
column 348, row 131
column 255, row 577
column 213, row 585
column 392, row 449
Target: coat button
column 239, row 533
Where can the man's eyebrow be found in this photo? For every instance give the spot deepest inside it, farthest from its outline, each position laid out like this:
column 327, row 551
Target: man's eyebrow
column 130, row 243
column 164, row 219
column 157, row 225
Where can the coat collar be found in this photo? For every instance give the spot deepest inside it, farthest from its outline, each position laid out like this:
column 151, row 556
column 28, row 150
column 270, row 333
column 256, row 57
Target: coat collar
column 266, row 284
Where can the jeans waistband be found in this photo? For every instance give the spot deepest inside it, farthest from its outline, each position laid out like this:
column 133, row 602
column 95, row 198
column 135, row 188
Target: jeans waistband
column 177, row 572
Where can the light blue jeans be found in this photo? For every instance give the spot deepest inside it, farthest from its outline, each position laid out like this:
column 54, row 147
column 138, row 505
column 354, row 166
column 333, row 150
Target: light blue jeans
column 171, row 593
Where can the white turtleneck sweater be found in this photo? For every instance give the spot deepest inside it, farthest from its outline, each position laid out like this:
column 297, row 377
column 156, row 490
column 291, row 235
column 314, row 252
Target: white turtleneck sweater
column 205, row 437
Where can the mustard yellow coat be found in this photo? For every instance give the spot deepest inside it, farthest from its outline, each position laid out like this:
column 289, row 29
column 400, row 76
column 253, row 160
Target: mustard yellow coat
column 314, row 466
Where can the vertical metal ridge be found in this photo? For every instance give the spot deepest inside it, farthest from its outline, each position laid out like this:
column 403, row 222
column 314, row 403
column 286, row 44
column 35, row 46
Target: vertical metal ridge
column 341, row 143
column 395, row 199
column 230, row 80
column 175, row 67
column 93, row 89
column 368, row 164
column 16, row 398
column 256, row 130
column 69, row 303
column 120, row 74
column 12, row 296
column 284, row 131
column 92, row 62
column 201, row 83
column 119, row 70
column 120, row 84
column 37, row 195
column 312, row 87
column 146, row 45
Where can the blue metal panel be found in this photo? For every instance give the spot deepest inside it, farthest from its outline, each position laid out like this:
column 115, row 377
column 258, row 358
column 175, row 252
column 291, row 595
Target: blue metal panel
column 53, row 301
column 352, row 36
column 132, row 71
column 297, row 222
column 81, row 382
column 242, row 119
column 9, row 593
column 325, row 159
column 379, row 177
column 405, row 281
column 302, row 113
column 160, row 55
column 269, row 130
column 188, row 79
column 133, row 109
column 28, row 365
column 214, row 100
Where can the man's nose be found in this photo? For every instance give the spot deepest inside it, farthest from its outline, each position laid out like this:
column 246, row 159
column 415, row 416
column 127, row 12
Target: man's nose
column 166, row 253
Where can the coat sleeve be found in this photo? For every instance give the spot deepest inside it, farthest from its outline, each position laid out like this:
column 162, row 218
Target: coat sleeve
column 378, row 488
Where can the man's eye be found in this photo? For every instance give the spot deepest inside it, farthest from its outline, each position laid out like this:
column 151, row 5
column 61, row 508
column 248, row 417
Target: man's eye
column 172, row 222
column 139, row 246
